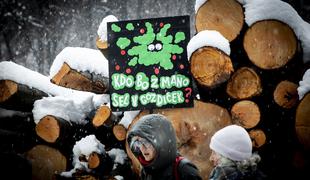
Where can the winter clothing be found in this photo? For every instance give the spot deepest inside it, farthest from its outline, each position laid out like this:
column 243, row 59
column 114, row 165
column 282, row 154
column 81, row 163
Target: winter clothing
column 232, row 153
column 232, row 142
column 159, row 132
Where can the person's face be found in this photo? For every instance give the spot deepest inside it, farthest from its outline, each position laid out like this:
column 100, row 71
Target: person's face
column 146, row 148
column 215, row 158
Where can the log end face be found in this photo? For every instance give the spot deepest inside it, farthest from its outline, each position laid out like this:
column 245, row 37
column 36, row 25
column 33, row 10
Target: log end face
column 119, row 132
column 48, row 129
column 7, row 89
column 286, row 94
column 258, row 137
column 102, row 116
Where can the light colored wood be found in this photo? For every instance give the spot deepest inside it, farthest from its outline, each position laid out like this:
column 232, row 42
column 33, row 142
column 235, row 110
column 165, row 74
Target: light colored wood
column 194, row 127
column 244, row 83
column 285, row 94
column 102, row 116
column 119, row 132
column 93, row 160
column 270, row 44
column 210, row 66
column 302, row 121
column 258, row 137
column 101, row 44
column 245, row 113
column 224, row 16
column 7, row 89
column 46, row 162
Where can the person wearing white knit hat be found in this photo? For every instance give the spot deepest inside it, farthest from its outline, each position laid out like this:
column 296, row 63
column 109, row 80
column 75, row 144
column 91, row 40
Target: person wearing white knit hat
column 232, row 155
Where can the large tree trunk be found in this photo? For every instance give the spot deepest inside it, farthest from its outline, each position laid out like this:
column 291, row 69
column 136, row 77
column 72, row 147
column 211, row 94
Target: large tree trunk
column 225, row 16
column 270, row 44
column 83, row 81
column 194, row 128
column 19, row 97
column 210, row 67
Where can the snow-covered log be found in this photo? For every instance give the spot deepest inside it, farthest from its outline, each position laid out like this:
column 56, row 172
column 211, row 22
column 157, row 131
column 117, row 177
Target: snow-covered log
column 194, row 128
column 225, row 16
column 270, row 44
column 244, row 83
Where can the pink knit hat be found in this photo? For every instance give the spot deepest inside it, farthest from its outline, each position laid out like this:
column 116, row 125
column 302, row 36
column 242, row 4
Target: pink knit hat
column 232, row 142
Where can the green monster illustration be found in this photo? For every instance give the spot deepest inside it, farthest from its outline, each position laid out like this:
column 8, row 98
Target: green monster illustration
column 153, row 48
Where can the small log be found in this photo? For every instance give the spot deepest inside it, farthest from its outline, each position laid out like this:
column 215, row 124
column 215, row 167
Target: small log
column 210, row 66
column 19, row 97
column 201, row 122
column 104, row 116
column 245, row 113
column 258, row 137
column 83, row 81
column 119, row 132
column 93, row 160
column 270, row 44
column 285, row 94
column 53, row 129
column 302, row 121
column 102, row 46
column 244, row 83
column 223, row 16
column 46, row 162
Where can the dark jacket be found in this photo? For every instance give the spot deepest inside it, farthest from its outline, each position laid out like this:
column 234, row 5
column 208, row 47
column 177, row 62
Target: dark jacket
column 159, row 131
column 232, row 173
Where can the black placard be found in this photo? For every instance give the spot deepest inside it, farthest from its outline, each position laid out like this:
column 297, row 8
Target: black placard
column 148, row 64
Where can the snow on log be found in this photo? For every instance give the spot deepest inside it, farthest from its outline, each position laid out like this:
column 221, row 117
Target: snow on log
column 46, row 162
column 304, row 85
column 270, row 44
column 302, row 121
column 194, row 128
column 244, row 83
column 245, row 113
column 285, row 94
column 225, row 16
column 81, row 69
column 208, row 53
column 261, row 10
column 258, row 137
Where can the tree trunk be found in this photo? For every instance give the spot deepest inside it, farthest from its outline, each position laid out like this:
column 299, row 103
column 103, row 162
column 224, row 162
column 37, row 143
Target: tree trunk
column 302, row 122
column 46, row 161
column 194, row 128
column 258, row 137
column 83, row 81
column 224, row 16
column 245, row 83
column 52, row 129
column 285, row 94
column 210, row 67
column 245, row 113
column 270, row 44
column 19, row 97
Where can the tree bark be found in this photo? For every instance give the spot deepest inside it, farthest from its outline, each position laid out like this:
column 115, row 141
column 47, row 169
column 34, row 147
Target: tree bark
column 244, row 83
column 194, row 128
column 83, row 81
column 285, row 94
column 245, row 113
column 210, row 67
column 19, row 97
column 270, row 44
column 225, row 17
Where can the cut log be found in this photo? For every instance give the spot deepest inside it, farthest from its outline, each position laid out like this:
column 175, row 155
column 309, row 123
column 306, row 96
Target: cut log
column 119, row 132
column 83, row 81
column 225, row 16
column 245, row 113
column 46, row 162
column 53, row 129
column 104, row 116
column 258, row 137
column 285, row 94
column 210, row 66
column 93, row 160
column 244, row 83
column 200, row 123
column 19, row 97
column 302, row 121
column 270, row 44
column 102, row 46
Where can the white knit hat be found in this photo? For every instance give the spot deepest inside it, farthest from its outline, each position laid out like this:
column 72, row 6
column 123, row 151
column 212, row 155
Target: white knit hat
column 232, row 142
